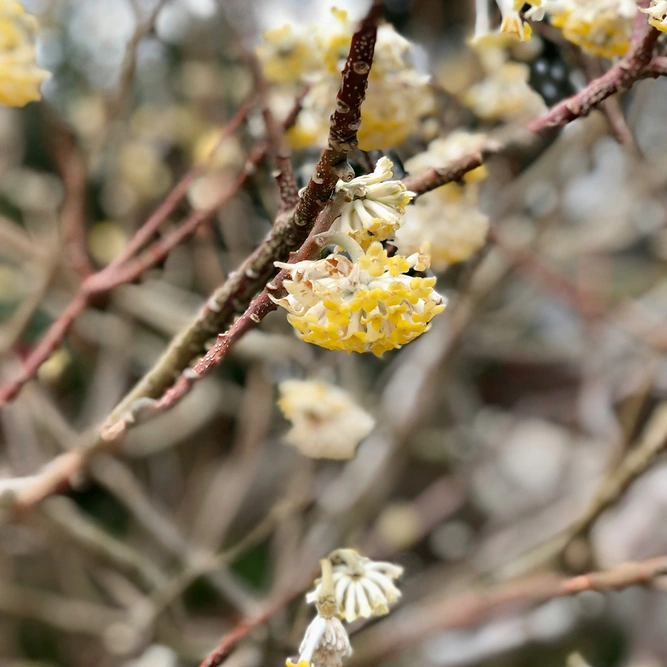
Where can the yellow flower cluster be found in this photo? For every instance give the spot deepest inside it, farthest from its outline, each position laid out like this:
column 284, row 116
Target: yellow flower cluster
column 657, row 14
column 20, row 77
column 397, row 96
column 446, row 222
column 600, row 27
column 366, row 305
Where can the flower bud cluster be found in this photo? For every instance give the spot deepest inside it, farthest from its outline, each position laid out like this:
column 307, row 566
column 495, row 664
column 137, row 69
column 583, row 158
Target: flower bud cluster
column 364, row 301
column 351, row 587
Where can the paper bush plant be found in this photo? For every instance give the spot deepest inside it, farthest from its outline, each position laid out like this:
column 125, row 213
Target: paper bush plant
column 385, row 279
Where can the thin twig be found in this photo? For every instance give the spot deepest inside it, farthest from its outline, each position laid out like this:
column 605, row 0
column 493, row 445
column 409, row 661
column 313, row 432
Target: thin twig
column 409, row 626
column 122, row 269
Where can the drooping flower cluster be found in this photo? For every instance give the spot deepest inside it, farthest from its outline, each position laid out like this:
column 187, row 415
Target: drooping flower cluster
column 324, row 644
column 446, row 223
column 364, row 304
column 397, row 97
column 351, row 587
column 20, row 77
column 362, row 587
column 657, row 14
column 601, row 27
column 326, row 421
column 377, row 206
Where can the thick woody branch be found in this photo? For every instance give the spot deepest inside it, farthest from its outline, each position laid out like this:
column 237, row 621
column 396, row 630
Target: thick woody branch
column 286, row 237
column 235, row 294
column 258, row 309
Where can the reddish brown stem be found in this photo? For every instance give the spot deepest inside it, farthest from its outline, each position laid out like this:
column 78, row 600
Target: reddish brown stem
column 460, row 611
column 121, row 270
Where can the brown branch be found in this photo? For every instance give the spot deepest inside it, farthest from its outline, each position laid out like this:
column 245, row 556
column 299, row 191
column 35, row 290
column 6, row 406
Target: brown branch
column 279, row 152
column 72, row 168
column 242, row 285
column 121, row 269
column 409, row 626
column 115, row 104
column 636, row 64
column 258, row 309
column 287, row 235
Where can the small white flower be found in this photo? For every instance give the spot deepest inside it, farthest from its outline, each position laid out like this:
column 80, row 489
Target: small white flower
column 511, row 21
column 377, row 207
column 362, row 587
column 325, row 644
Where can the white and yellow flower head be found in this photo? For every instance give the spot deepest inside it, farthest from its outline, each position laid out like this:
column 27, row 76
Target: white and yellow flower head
column 362, row 587
column 601, row 27
column 326, row 421
column 397, row 96
column 444, row 150
column 377, row 206
column 657, row 14
column 363, row 304
column 20, row 77
column 287, row 54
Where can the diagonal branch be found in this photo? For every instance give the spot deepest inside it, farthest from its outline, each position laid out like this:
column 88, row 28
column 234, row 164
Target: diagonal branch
column 469, row 609
column 286, row 236
column 635, row 65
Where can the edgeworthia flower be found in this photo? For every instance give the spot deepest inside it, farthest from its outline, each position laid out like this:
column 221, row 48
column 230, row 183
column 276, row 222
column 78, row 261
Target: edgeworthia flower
column 398, row 96
column 20, row 77
column 601, row 27
column 326, row 421
column 377, row 206
column 325, row 643
column 446, row 223
column 657, row 14
column 362, row 587
column 365, row 303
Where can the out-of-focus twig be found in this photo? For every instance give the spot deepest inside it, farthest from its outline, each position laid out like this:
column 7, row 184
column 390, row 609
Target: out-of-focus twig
column 123, row 268
column 409, row 626
column 72, row 167
column 636, row 64
column 60, row 612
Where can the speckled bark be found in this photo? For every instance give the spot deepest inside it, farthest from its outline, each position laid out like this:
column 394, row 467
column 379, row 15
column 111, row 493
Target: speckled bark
column 287, row 235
